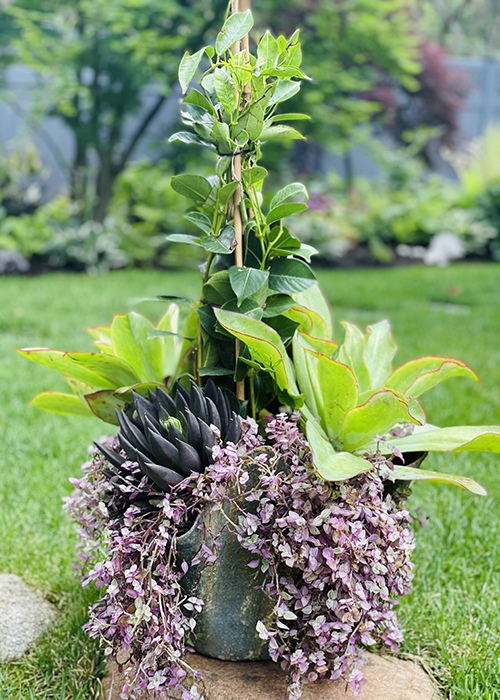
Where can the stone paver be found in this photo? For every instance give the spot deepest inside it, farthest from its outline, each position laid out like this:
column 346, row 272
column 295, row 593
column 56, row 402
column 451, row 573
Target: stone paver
column 24, row 616
column 388, row 678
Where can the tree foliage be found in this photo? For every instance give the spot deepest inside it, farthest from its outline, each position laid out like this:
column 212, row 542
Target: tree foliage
column 93, row 59
column 349, row 46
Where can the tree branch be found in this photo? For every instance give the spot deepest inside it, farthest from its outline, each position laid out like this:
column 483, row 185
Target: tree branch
column 139, row 132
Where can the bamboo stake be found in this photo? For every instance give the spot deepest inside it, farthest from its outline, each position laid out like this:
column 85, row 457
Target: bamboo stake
column 237, row 6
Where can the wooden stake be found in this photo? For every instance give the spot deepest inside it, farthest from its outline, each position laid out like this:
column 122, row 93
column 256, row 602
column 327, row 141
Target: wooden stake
column 237, row 6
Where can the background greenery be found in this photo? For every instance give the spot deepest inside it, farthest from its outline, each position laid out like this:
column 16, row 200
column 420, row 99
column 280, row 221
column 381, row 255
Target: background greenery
column 384, row 77
column 451, row 619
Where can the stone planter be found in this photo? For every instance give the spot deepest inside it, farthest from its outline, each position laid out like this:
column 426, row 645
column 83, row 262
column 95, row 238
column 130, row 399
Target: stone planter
column 233, row 602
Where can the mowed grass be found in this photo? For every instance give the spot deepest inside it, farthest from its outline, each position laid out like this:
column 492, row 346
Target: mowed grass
column 451, row 618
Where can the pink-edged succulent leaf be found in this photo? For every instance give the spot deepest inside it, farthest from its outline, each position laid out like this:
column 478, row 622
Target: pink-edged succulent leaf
column 380, row 412
column 105, row 403
column 64, row 404
column 96, row 369
column 309, row 321
column 266, row 348
column 402, row 473
column 379, row 350
column 418, row 376
column 351, row 353
column 335, row 390
column 331, row 465
column 464, row 438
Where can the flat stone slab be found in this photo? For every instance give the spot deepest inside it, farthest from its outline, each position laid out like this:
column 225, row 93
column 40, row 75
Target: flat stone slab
column 24, row 616
column 388, row 678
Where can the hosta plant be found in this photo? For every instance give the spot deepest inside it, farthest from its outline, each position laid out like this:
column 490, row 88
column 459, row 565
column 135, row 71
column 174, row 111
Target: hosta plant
column 247, row 424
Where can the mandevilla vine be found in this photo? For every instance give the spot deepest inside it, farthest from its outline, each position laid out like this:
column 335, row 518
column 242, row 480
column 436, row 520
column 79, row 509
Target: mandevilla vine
column 242, row 399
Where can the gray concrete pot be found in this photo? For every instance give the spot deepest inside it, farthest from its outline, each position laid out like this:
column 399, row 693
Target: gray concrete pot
column 226, row 627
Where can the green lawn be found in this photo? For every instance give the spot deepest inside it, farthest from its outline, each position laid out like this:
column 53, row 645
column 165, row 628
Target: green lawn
column 452, row 617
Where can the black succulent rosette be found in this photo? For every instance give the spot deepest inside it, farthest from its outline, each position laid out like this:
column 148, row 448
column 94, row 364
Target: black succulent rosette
column 169, row 437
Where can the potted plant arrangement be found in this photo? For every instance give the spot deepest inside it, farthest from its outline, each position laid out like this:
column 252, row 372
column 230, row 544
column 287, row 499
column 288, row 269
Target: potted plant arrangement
column 252, row 503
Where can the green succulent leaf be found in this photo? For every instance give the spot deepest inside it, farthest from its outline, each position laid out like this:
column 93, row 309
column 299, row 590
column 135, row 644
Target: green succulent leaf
column 312, row 298
column 234, row 29
column 104, row 405
column 191, row 186
column 379, row 351
column 290, row 276
column 309, row 321
column 245, row 281
column 381, row 412
column 409, row 474
column 318, row 345
column 464, row 438
column 265, row 347
column 418, row 376
column 96, row 369
column 335, row 391
column 188, row 67
column 351, row 353
column 129, row 335
column 64, row 404
column 170, row 347
column 331, row 465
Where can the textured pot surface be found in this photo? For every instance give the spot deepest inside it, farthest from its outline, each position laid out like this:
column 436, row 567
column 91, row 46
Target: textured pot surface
column 226, row 627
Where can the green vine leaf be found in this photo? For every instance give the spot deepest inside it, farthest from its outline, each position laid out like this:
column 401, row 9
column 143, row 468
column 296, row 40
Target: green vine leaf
column 290, row 276
column 189, row 138
column 284, row 90
column 245, row 281
column 226, row 192
column 234, row 29
column 188, row 67
column 251, row 176
column 284, row 210
column 280, row 131
column 267, row 51
column 195, row 97
column 225, row 88
column 192, row 186
column 182, row 238
column 200, row 220
column 222, row 245
column 291, row 190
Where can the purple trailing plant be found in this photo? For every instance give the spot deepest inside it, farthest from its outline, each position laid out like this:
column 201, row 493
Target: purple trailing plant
column 335, row 557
